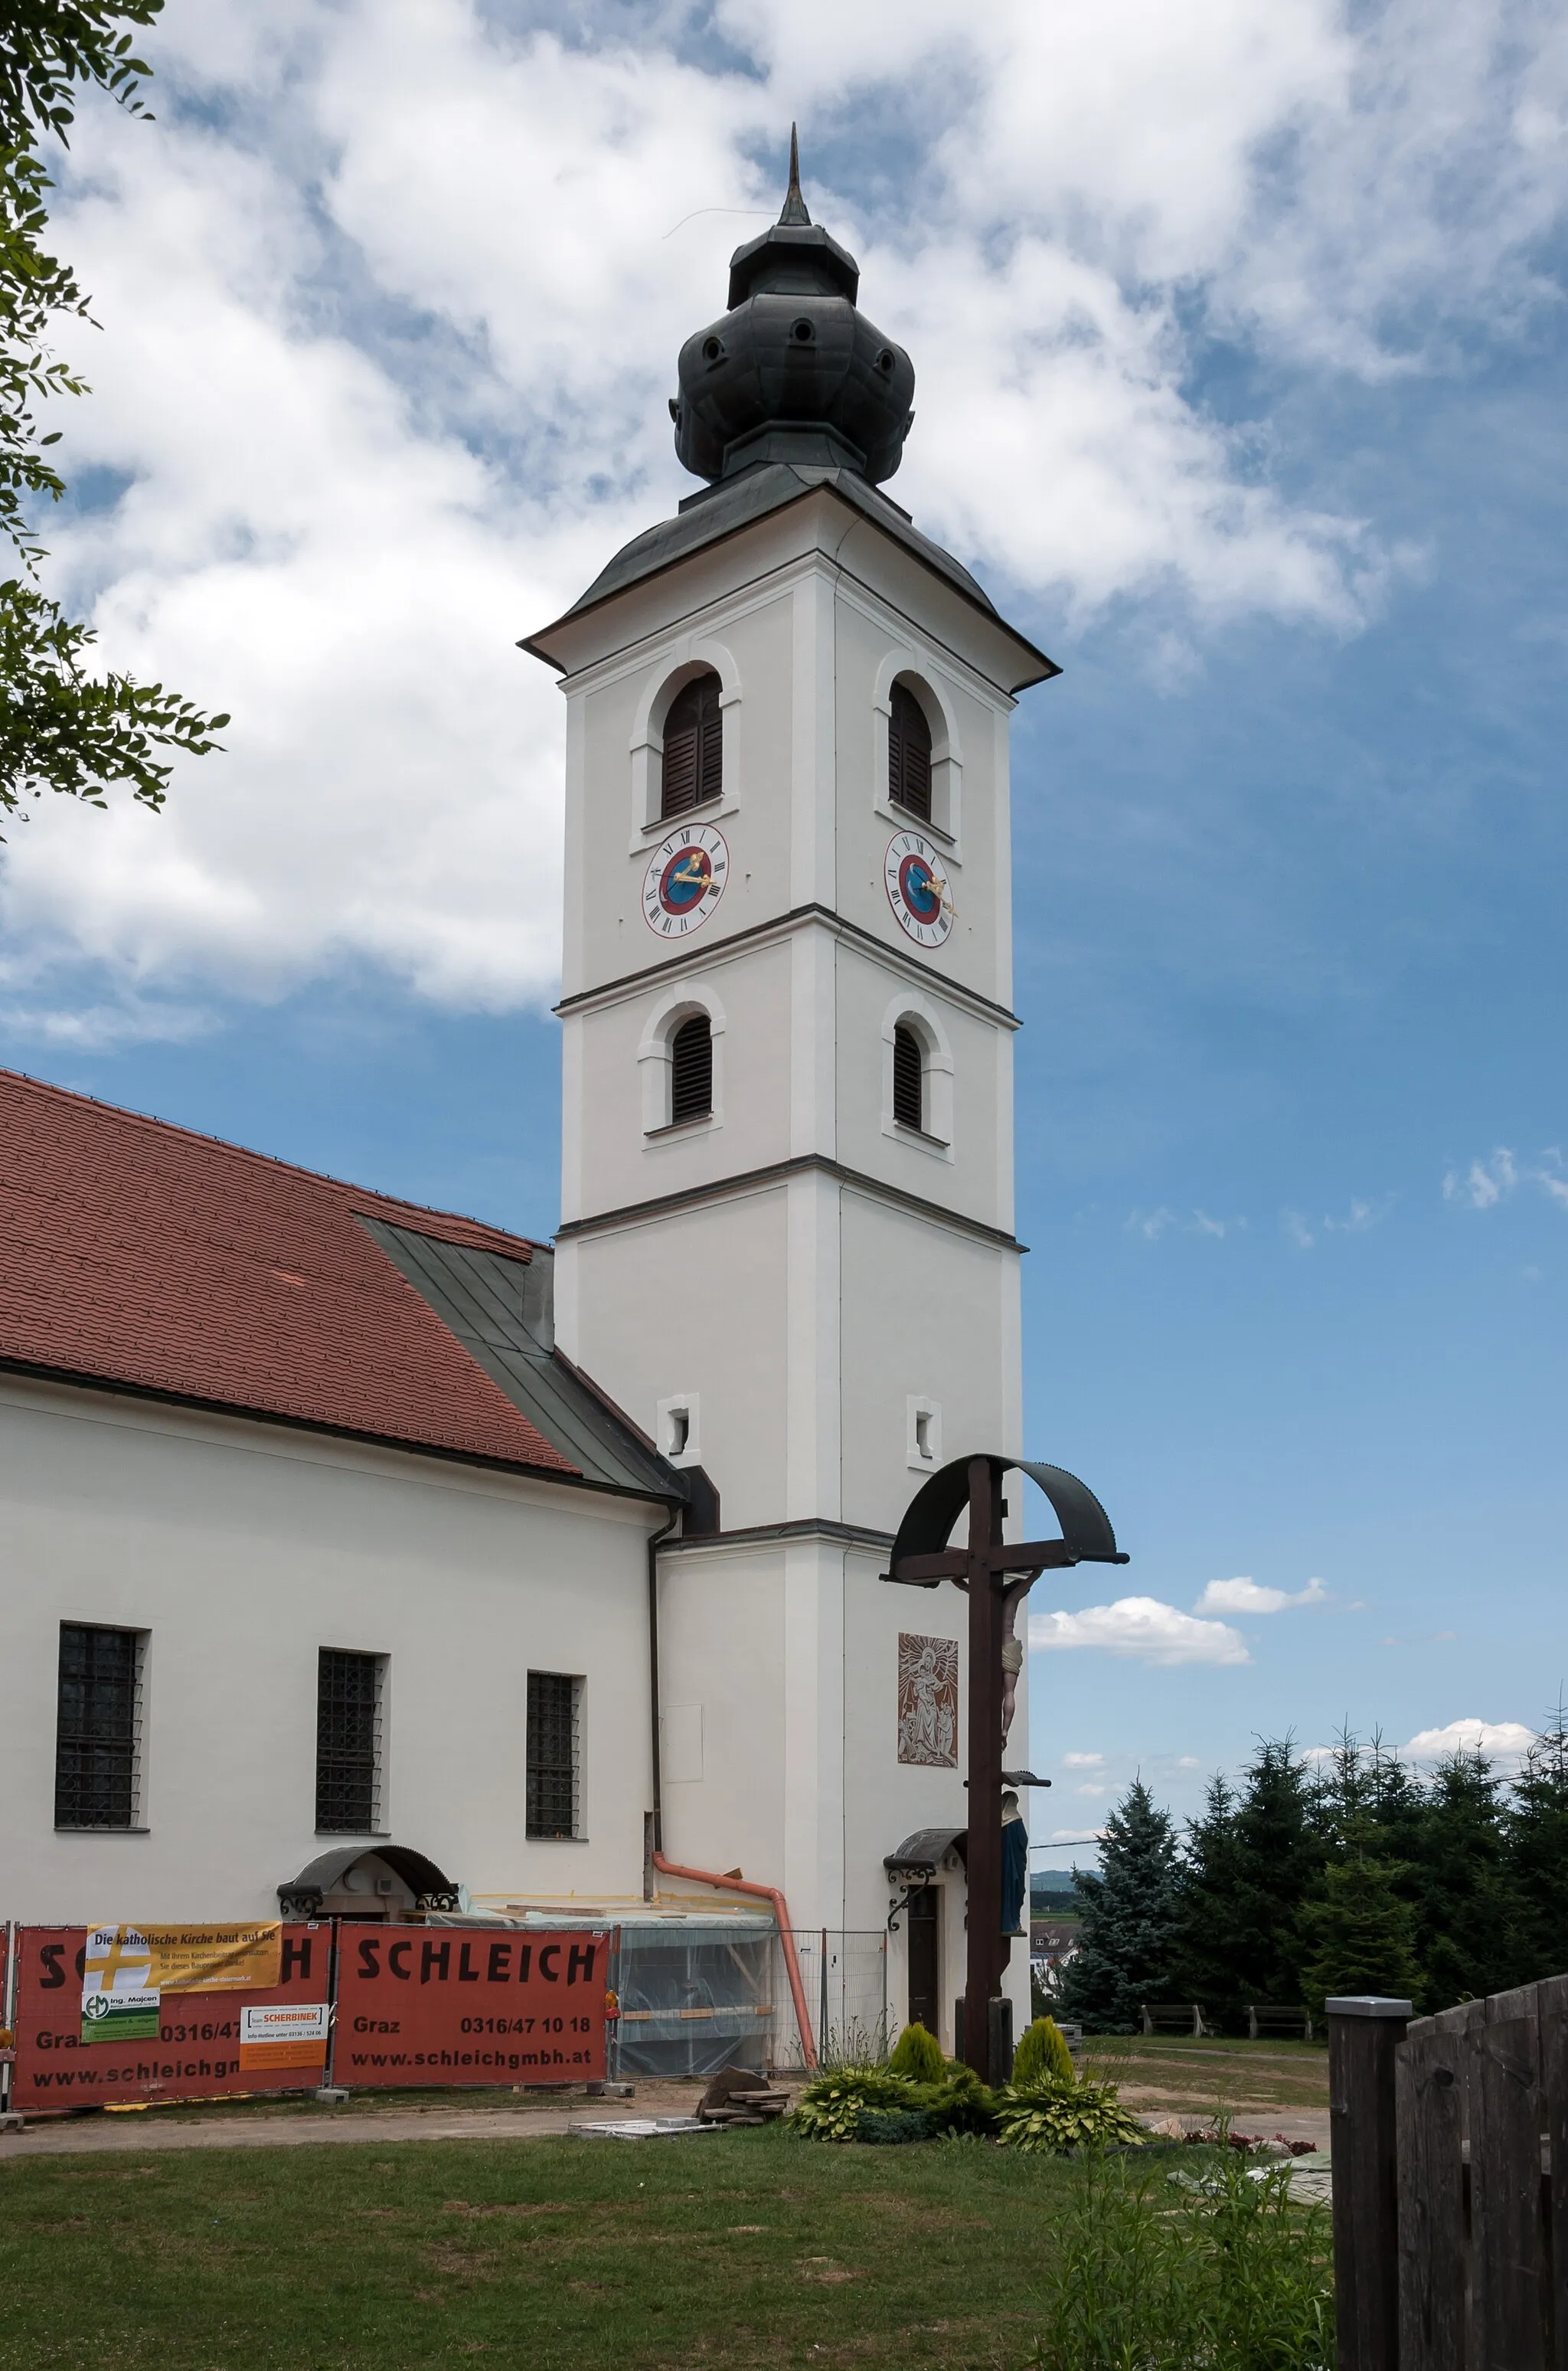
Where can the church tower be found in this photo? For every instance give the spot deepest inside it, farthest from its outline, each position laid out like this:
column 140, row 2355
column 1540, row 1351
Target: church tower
column 787, row 1243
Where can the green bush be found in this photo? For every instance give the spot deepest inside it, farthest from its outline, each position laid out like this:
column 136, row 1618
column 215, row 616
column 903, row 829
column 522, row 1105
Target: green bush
column 917, row 2055
column 1043, row 2056
column 834, row 2106
column 1054, row 2115
column 831, row 2103
column 1158, row 2275
column 892, row 2127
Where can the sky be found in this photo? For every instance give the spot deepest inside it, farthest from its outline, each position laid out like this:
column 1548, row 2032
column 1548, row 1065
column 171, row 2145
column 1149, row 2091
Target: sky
column 1238, row 335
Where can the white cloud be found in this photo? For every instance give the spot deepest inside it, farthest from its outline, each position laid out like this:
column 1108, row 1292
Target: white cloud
column 1188, row 1762
column 1082, row 1761
column 392, row 308
column 1093, row 1788
column 1484, row 1183
column 1077, row 1835
column 1359, row 1220
column 1502, row 1742
column 1152, row 1224
column 1245, row 1596
column 1140, row 1626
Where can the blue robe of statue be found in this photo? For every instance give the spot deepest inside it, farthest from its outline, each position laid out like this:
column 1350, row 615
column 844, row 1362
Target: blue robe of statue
column 1015, row 1875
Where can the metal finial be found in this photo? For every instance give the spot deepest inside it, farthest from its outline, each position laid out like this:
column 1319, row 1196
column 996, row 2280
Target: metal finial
column 794, row 204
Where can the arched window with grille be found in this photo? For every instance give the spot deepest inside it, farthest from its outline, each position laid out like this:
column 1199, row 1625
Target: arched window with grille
column 691, row 1070
column 908, row 1078
column 909, row 754
column 694, row 746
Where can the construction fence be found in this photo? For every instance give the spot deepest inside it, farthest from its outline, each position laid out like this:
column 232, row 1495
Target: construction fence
column 476, row 2000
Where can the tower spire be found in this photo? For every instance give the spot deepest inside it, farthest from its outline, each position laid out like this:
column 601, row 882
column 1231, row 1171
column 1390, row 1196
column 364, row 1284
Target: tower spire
column 794, row 204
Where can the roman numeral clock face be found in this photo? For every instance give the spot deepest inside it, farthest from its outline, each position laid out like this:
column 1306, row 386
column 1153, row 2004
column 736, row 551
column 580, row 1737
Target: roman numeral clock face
column 917, row 888
column 684, row 881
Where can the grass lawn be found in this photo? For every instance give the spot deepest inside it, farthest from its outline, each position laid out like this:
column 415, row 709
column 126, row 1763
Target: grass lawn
column 744, row 2247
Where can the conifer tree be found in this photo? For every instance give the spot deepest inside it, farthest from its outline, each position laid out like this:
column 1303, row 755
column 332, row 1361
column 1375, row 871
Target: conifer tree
column 1357, row 1933
column 1467, row 1938
column 1129, row 1918
column 1537, row 1853
column 1251, row 1861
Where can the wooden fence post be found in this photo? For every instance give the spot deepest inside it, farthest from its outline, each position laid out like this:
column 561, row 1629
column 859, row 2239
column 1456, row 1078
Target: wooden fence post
column 1363, row 2033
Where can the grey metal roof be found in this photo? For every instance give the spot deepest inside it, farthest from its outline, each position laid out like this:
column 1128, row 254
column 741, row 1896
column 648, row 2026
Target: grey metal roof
column 500, row 1309
column 722, row 509
column 925, row 1849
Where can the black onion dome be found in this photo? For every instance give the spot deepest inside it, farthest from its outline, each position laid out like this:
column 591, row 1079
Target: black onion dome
column 793, row 372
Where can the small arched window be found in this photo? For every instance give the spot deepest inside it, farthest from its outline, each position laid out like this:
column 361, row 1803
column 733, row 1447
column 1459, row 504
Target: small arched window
column 909, row 754
column 691, row 1070
column 694, row 746
column 908, row 1078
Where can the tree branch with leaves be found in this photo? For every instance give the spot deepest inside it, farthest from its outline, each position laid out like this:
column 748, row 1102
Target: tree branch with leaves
column 62, row 728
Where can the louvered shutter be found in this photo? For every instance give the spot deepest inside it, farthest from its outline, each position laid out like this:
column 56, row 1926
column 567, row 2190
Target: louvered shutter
column 691, row 1070
column 694, row 747
column 909, row 1080
column 909, row 754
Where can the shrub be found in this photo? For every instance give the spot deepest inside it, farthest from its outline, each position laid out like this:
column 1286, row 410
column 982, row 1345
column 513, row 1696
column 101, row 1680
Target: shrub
column 831, row 2103
column 892, row 2127
column 1052, row 2115
column 1043, row 2056
column 835, row 2106
column 1158, row 2275
column 918, row 2055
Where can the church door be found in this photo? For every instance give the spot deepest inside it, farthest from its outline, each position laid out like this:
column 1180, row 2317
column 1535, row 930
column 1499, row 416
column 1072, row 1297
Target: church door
column 924, row 1993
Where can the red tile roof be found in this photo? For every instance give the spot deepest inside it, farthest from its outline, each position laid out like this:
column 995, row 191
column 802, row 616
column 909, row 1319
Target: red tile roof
column 134, row 1252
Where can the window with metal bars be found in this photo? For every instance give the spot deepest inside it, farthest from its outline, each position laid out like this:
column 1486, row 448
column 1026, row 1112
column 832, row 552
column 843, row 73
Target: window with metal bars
column 349, row 1695
column 553, row 1701
column 98, row 1733
column 908, row 1078
column 909, row 754
column 694, row 746
column 691, row 1070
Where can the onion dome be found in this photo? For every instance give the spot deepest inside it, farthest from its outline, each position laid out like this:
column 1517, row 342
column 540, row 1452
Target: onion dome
column 793, row 372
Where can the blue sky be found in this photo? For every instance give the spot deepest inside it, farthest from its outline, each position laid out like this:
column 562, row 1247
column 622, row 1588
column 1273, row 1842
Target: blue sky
column 1241, row 382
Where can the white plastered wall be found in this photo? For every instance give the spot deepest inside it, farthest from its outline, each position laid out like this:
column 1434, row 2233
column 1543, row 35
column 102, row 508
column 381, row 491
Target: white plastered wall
column 241, row 1549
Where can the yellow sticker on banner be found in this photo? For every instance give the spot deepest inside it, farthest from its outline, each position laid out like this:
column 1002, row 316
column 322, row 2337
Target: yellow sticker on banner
column 204, row 1958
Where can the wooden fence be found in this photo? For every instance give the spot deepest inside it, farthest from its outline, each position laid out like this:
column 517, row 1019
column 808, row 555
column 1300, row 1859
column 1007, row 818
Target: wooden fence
column 1450, row 2182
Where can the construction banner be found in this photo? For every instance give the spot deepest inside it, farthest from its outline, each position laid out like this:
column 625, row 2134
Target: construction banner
column 420, row 2005
column 92, row 2031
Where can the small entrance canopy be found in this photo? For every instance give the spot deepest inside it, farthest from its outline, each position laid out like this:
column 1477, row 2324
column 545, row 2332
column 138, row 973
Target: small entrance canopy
column 919, row 1857
column 330, row 1873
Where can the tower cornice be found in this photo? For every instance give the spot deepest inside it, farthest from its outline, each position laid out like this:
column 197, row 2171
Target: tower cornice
column 782, row 925
column 742, row 505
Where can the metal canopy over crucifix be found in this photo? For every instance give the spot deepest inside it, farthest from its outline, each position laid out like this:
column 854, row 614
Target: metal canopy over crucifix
column 997, row 1573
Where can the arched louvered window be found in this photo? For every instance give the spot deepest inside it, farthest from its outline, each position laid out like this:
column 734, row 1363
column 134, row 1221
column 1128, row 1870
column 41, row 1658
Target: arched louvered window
column 694, row 746
column 909, row 754
column 908, row 1078
column 691, row 1070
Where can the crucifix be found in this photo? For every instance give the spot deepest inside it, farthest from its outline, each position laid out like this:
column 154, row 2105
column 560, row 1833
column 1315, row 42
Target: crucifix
column 996, row 1573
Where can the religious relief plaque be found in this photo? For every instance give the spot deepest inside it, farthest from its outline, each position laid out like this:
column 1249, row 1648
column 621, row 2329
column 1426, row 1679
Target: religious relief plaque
column 928, row 1701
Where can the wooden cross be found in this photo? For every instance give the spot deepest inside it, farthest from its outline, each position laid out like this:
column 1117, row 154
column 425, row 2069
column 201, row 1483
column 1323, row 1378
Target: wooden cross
column 987, row 1567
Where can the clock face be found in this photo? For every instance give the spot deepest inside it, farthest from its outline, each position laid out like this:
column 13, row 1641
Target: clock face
column 917, row 888
column 684, row 881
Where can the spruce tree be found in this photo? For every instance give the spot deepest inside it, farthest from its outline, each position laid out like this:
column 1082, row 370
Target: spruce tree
column 1537, row 1853
column 1251, row 1861
column 1357, row 1933
column 1129, row 1918
column 1466, row 1940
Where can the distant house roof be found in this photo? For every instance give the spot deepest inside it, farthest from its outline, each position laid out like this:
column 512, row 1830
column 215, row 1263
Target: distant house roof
column 144, row 1256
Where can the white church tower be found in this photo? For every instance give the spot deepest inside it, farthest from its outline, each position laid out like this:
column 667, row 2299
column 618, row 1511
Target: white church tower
column 787, row 1245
